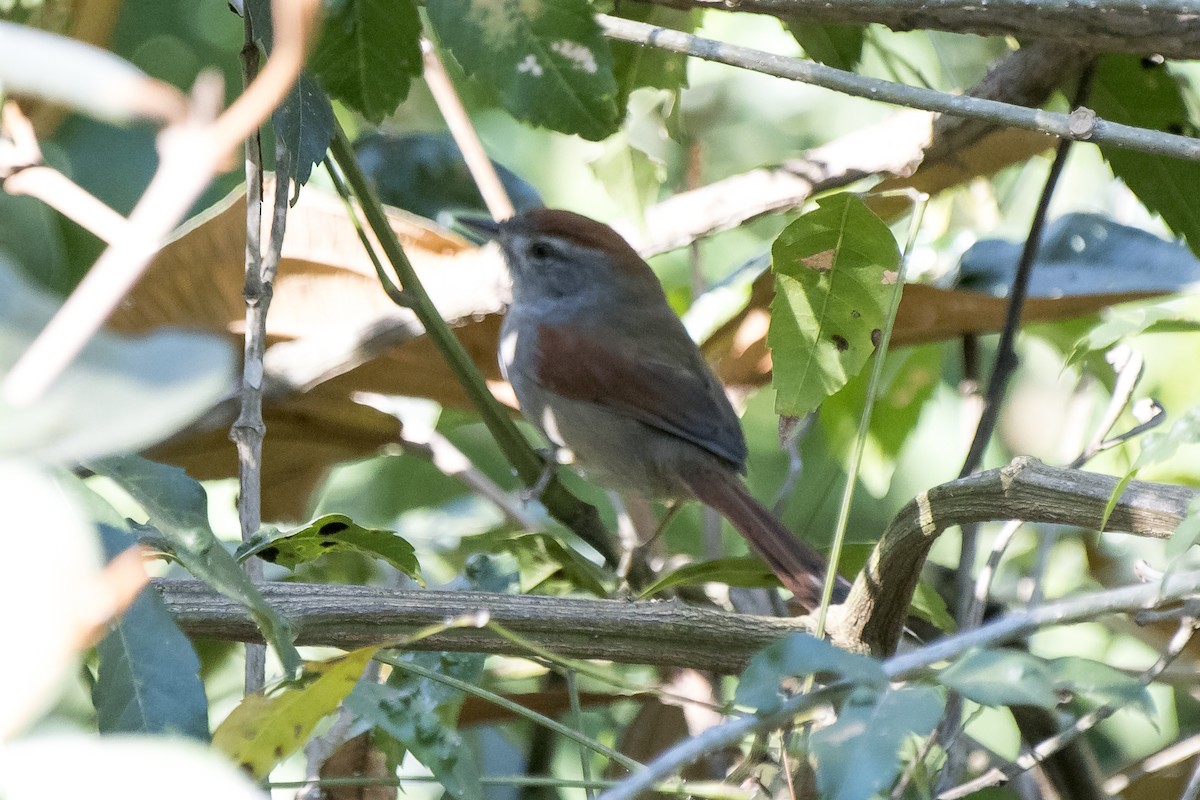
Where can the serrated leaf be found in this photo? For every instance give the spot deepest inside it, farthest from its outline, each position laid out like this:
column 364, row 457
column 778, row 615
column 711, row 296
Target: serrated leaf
column 546, row 59
column 743, row 572
column 262, row 731
column 368, row 54
column 1129, row 91
column 837, row 46
column 178, row 507
column 858, row 756
column 831, row 271
column 1001, row 678
column 1120, row 323
column 332, row 533
column 148, row 679
column 120, row 395
column 1100, row 683
column 799, row 654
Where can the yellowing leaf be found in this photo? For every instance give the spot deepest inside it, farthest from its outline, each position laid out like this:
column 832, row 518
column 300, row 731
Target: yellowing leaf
column 263, row 731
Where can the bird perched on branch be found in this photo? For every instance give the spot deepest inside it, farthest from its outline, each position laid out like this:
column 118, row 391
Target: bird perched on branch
column 603, row 367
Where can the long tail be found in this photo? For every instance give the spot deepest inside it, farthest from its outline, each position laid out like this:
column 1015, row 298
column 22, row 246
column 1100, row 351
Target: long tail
column 798, row 566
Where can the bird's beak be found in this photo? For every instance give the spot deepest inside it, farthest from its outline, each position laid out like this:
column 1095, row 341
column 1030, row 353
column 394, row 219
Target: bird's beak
column 480, row 227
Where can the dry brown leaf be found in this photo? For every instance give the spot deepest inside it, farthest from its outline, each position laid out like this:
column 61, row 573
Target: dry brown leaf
column 332, row 331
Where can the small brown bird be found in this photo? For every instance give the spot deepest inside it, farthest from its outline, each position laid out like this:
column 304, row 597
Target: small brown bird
column 605, row 369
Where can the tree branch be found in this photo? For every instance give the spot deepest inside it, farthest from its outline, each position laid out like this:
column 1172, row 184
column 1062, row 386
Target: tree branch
column 666, row 633
column 1123, row 26
column 1026, row 489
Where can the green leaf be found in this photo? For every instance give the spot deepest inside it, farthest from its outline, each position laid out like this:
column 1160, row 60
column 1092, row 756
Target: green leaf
column 1001, row 678
column 262, row 731
column 149, row 677
column 1127, row 90
column 835, row 45
column 635, row 66
column 930, row 606
column 368, row 54
column 831, row 271
column 332, row 533
column 1158, row 446
column 304, row 122
column 410, row 716
column 858, row 756
column 178, row 507
column 799, row 654
column 1100, row 683
column 545, row 59
column 743, row 572
column 540, row 557
column 120, row 395
column 1186, row 534
column 1122, row 322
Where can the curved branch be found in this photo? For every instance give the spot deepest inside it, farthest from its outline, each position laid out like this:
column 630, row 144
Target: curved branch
column 1026, row 489
column 1166, row 27
column 661, row 633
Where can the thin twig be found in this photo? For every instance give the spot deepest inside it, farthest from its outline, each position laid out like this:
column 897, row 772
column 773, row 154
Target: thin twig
column 190, row 152
column 1045, row 749
column 248, row 429
column 562, row 505
column 465, row 136
column 1081, row 125
column 1172, row 588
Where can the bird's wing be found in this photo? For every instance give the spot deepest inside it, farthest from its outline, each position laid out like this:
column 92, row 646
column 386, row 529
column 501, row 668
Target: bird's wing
column 670, row 387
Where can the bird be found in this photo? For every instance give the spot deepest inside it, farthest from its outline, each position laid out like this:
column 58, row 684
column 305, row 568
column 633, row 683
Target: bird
column 605, row 370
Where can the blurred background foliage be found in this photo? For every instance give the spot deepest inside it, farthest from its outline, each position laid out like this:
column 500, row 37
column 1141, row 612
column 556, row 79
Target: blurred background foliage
column 723, row 123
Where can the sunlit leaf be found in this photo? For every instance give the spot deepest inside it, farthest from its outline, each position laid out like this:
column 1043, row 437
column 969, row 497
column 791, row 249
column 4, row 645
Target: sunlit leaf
column 332, row 533
column 262, row 731
column 739, row 571
column 1120, row 323
column 832, row 270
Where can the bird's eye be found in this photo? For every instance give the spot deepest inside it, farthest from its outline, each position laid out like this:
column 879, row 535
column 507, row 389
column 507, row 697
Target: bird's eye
column 540, row 250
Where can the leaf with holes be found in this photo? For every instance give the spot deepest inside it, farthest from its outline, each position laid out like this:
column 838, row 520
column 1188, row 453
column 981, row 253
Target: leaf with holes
column 546, row 60
column 833, row 267
column 331, row 533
